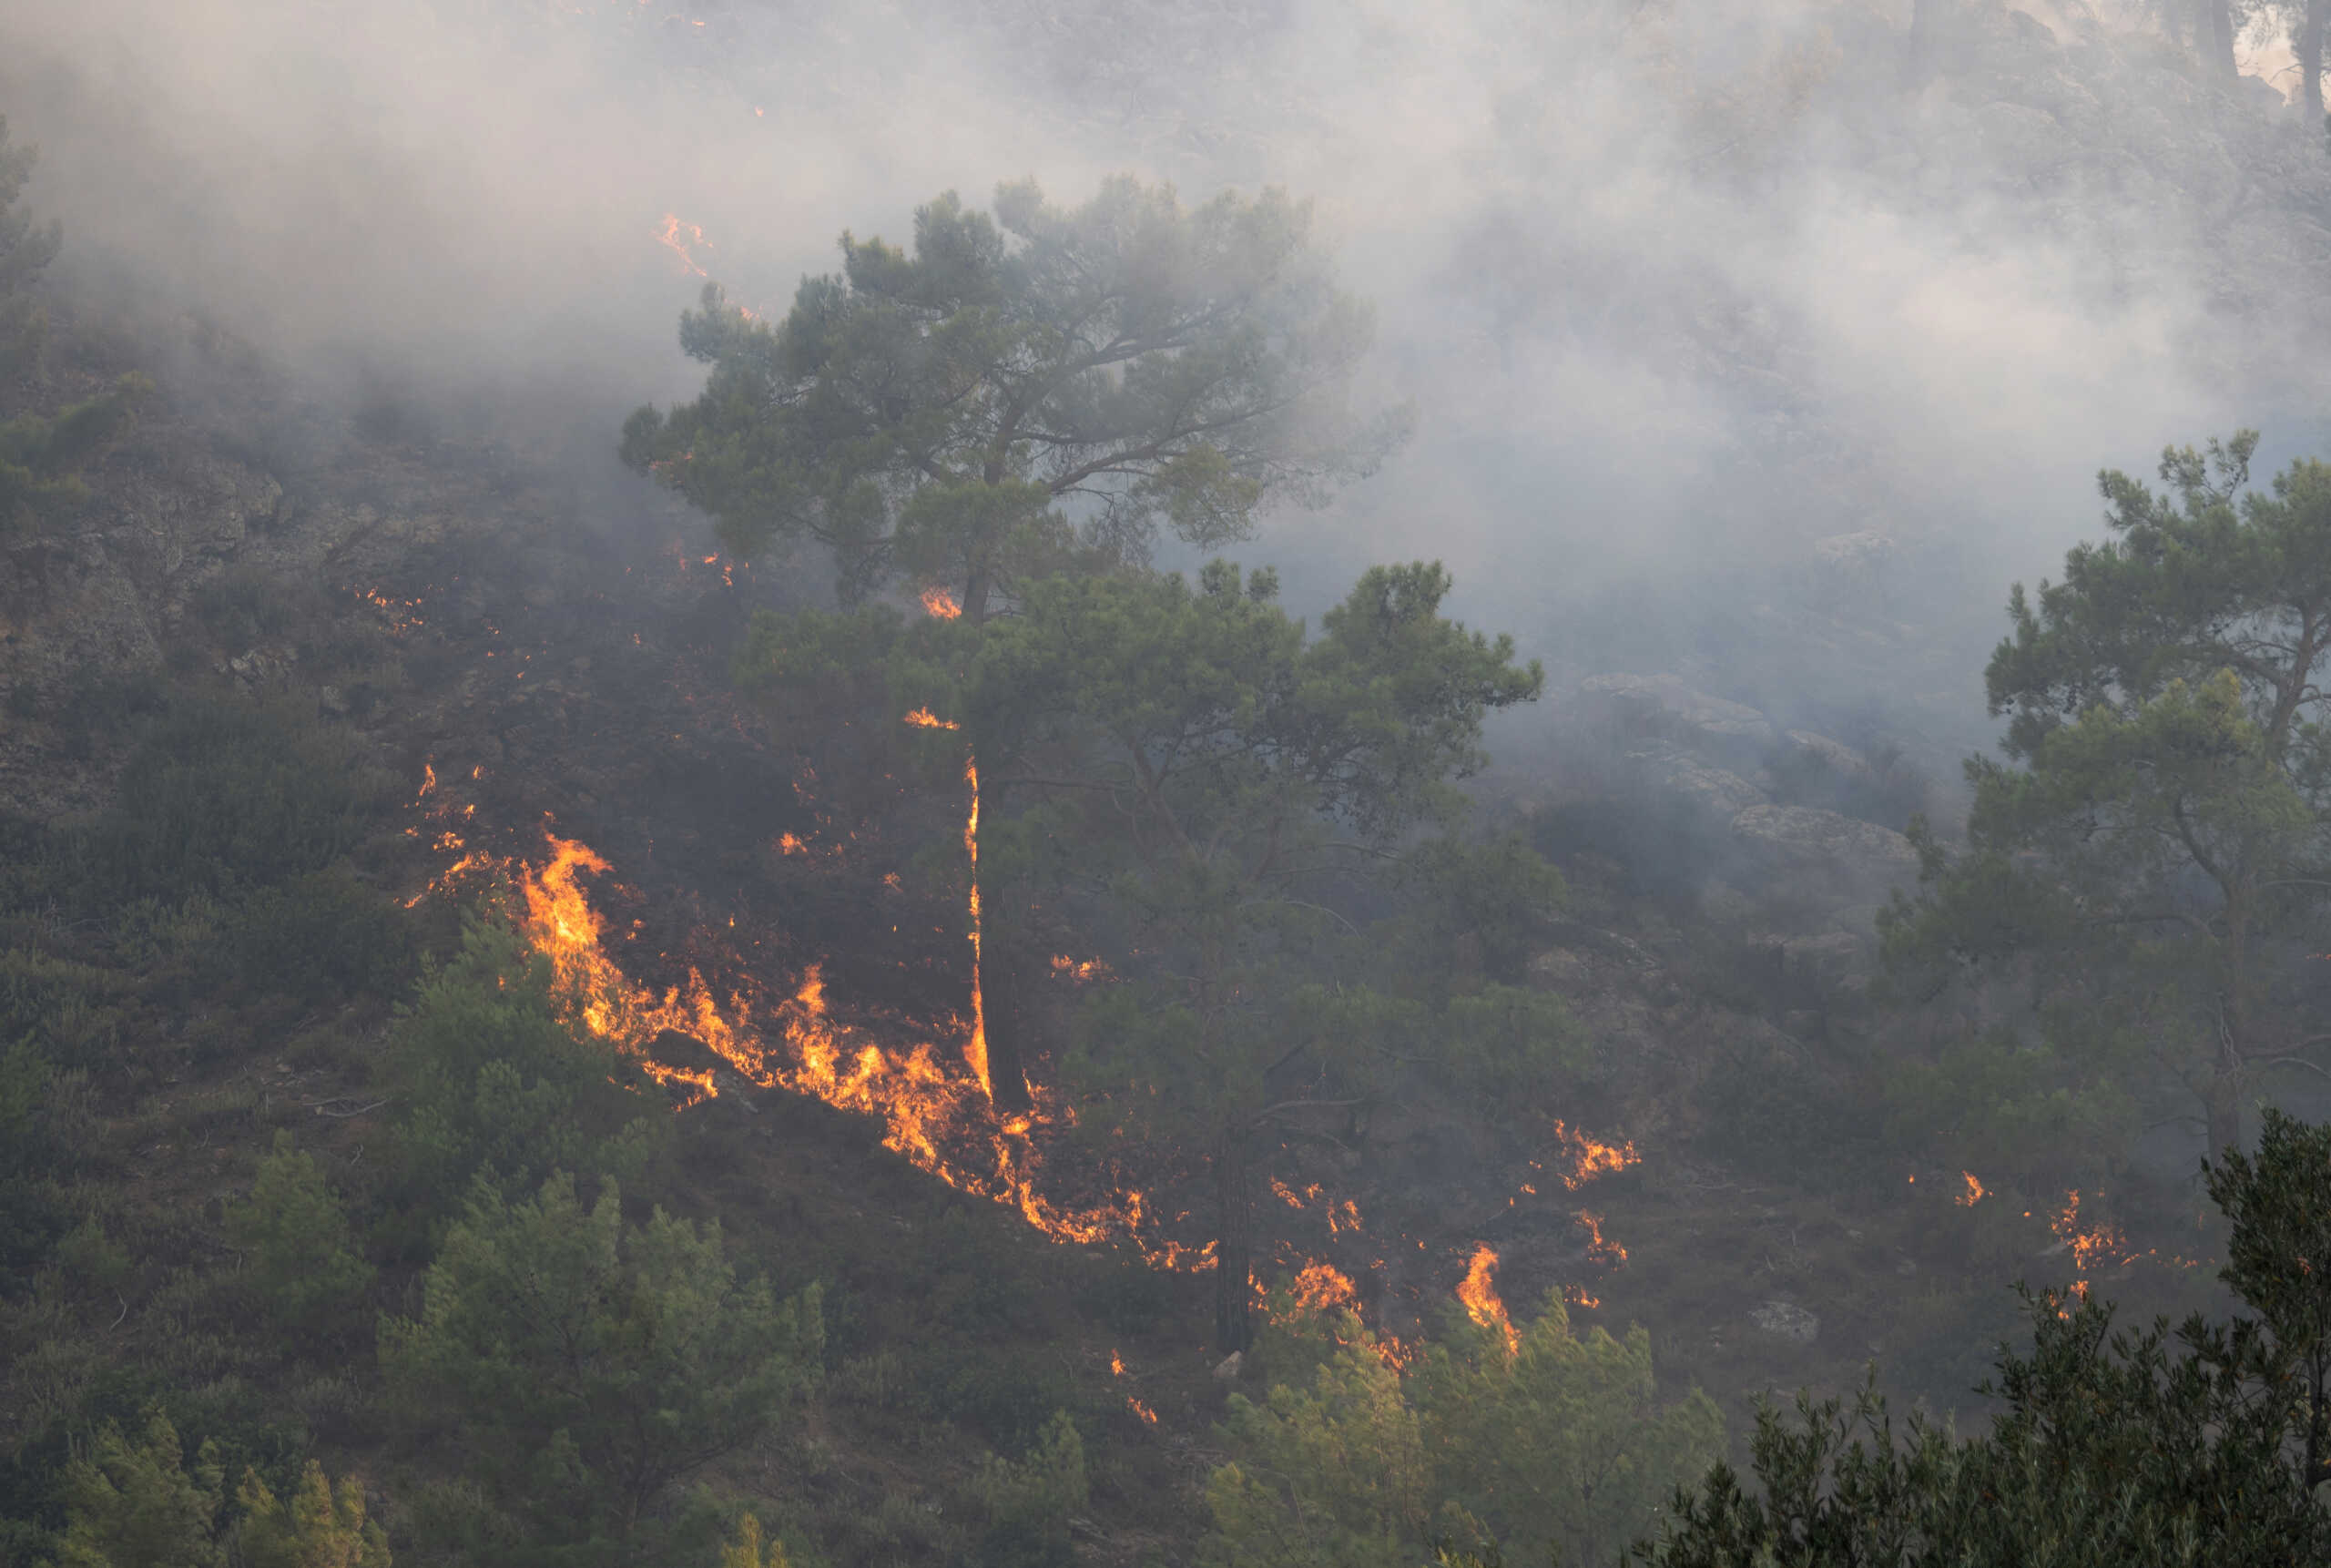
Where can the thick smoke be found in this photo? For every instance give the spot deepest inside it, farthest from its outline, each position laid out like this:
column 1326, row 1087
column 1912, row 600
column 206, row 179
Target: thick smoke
column 1736, row 350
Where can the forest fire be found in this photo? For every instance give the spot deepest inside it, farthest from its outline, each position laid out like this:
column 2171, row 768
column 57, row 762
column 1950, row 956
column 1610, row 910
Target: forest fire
column 940, row 1121
column 1478, row 1291
column 940, row 604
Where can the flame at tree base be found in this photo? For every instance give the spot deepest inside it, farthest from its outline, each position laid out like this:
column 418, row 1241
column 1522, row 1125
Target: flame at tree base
column 942, row 1122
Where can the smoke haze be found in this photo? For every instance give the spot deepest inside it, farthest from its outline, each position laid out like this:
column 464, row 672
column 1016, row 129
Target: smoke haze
column 1681, row 292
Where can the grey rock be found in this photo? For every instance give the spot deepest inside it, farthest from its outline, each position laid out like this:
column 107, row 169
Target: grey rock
column 1834, row 754
column 1786, row 1320
column 1665, row 701
column 1802, row 837
column 1717, row 791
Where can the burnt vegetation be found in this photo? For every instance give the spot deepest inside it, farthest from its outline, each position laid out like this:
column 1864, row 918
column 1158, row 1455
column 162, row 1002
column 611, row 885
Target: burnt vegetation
column 852, row 1019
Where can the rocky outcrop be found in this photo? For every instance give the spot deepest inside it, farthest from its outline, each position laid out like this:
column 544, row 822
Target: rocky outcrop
column 1801, row 839
column 1663, row 704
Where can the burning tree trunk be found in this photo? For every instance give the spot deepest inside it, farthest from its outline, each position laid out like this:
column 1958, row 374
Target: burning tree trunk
column 1003, row 1012
column 1233, row 1270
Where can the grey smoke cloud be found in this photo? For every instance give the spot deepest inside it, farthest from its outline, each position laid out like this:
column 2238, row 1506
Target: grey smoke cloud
column 1680, row 290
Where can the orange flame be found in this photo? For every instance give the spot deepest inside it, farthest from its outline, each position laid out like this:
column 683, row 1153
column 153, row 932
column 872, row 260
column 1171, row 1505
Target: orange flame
column 1590, row 1157
column 923, row 718
column 975, row 1054
column 1478, row 1293
column 1144, row 1411
column 1597, row 1246
column 1974, row 1195
column 672, row 237
column 942, row 1121
column 940, row 604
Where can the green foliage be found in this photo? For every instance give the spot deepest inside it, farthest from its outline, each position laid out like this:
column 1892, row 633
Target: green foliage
column 324, row 1525
column 1555, row 1448
column 1029, row 1501
column 1193, row 753
column 2114, row 1448
column 1332, row 1476
column 135, row 1505
column 1559, row 1449
column 40, row 458
column 40, row 1134
column 319, row 937
column 1998, row 1104
column 25, row 253
column 298, row 1237
column 494, row 1083
column 592, row 1364
column 1497, row 895
column 224, row 796
column 2279, row 1262
column 2168, row 829
column 930, row 413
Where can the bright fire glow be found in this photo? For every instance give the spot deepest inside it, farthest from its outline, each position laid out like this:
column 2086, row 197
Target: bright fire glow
column 923, row 718
column 1974, row 1192
column 940, row 604
column 1478, row 1291
column 1597, row 1246
column 940, row 1120
column 1588, row 1157
column 677, row 237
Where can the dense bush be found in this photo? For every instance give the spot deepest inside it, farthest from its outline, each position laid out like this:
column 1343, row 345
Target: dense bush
column 222, row 797
column 1543, row 1445
column 318, row 937
column 494, row 1085
column 297, row 1236
column 589, row 1364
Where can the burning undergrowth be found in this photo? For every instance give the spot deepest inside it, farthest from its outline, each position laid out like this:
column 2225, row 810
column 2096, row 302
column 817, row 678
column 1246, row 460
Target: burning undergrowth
column 717, row 1026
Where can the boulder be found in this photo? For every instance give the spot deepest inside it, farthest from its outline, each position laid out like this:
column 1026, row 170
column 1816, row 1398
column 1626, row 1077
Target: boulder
column 1786, row 1320
column 1835, row 755
column 1664, row 703
column 1715, row 792
column 1800, row 838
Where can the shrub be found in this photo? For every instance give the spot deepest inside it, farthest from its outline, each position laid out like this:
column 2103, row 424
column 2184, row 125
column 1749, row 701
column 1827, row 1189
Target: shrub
column 222, row 797
column 319, row 937
column 1543, row 1446
column 593, row 1363
column 297, row 1233
column 1029, row 1501
column 491, row 1081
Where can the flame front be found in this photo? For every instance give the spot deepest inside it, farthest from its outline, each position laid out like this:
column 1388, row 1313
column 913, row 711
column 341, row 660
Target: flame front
column 940, row 604
column 940, row 1121
column 1478, row 1291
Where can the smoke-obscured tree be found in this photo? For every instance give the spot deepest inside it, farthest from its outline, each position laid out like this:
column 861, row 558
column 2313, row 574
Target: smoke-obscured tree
column 2163, row 854
column 25, row 252
column 1191, row 756
column 2280, row 1204
column 41, row 457
column 590, row 1363
column 2114, row 1448
column 1025, row 389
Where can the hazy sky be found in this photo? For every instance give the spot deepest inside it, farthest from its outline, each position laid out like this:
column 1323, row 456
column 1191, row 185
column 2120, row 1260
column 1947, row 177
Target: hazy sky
column 1680, row 290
